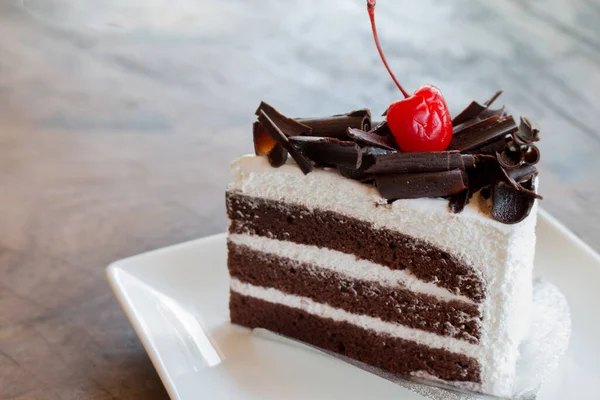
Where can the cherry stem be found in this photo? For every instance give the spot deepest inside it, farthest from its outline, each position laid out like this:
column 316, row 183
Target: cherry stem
column 371, row 10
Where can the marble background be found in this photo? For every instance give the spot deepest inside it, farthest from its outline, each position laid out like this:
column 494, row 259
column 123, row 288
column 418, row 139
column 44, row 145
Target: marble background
column 118, row 119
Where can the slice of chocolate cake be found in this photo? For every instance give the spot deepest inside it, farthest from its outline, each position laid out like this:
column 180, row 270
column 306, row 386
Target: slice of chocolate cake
column 407, row 245
column 419, row 264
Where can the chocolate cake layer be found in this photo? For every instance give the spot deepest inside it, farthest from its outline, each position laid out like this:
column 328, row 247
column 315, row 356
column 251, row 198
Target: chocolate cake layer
column 397, row 356
column 393, row 304
column 322, row 228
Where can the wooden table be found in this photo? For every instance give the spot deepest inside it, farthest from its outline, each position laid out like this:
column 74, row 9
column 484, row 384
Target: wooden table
column 118, row 119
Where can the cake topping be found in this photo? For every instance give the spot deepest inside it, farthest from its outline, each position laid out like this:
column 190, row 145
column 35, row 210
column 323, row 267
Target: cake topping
column 418, row 151
column 336, row 126
column 476, row 110
column 289, row 126
column 282, row 140
column 527, row 132
column 427, row 184
column 490, row 153
column 509, row 205
column 378, row 137
column 265, row 145
column 420, row 162
column 474, row 136
column 420, row 122
column 329, row 152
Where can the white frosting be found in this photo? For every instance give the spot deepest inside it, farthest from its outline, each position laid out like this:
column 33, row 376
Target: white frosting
column 501, row 254
column 345, row 264
column 364, row 321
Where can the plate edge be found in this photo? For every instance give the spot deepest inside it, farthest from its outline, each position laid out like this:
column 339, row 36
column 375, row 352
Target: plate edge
column 110, row 272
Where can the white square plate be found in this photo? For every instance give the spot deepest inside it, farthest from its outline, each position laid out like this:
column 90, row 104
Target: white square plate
column 177, row 301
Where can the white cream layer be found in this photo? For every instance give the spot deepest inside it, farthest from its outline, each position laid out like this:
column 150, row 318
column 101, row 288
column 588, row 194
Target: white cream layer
column 363, row 321
column 345, row 264
column 501, row 254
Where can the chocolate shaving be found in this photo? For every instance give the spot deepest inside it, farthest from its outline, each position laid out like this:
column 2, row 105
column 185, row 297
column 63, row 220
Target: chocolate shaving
column 263, row 142
column 336, row 126
column 492, row 148
column 531, row 155
column 329, row 151
column 489, row 101
column 458, row 201
column 355, row 174
column 472, row 111
column 482, row 133
column 523, row 187
column 289, row 126
column 473, row 125
column 488, row 171
column 277, row 156
column 488, row 112
column 519, row 151
column 401, row 163
column 264, row 145
column 381, row 129
column 527, row 133
column 283, row 141
column 428, row 184
column 475, row 110
column 372, row 138
column 366, row 159
column 510, row 159
column 511, row 206
column 522, row 174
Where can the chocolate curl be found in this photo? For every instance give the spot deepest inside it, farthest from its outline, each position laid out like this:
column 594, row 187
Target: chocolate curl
column 482, row 133
column 355, row 174
column 489, row 101
column 511, row 206
column 474, row 125
column 264, row 145
column 527, row 133
column 472, row 111
column 498, row 146
column 523, row 174
column 263, row 142
column 458, row 202
column 277, row 156
column 520, row 149
column 415, row 186
column 284, row 142
column 289, row 126
column 488, row 112
column 329, row 151
column 372, row 138
column 475, row 110
column 365, row 160
column 401, row 163
column 510, row 159
column 488, row 171
column 531, row 155
column 337, row 125
column 381, row 129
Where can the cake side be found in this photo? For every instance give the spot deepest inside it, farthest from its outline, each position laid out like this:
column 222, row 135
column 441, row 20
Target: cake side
column 329, row 229
column 471, row 236
column 360, row 292
column 307, row 322
column 269, row 207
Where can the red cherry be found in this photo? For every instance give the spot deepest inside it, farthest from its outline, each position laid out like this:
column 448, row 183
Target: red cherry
column 420, row 122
